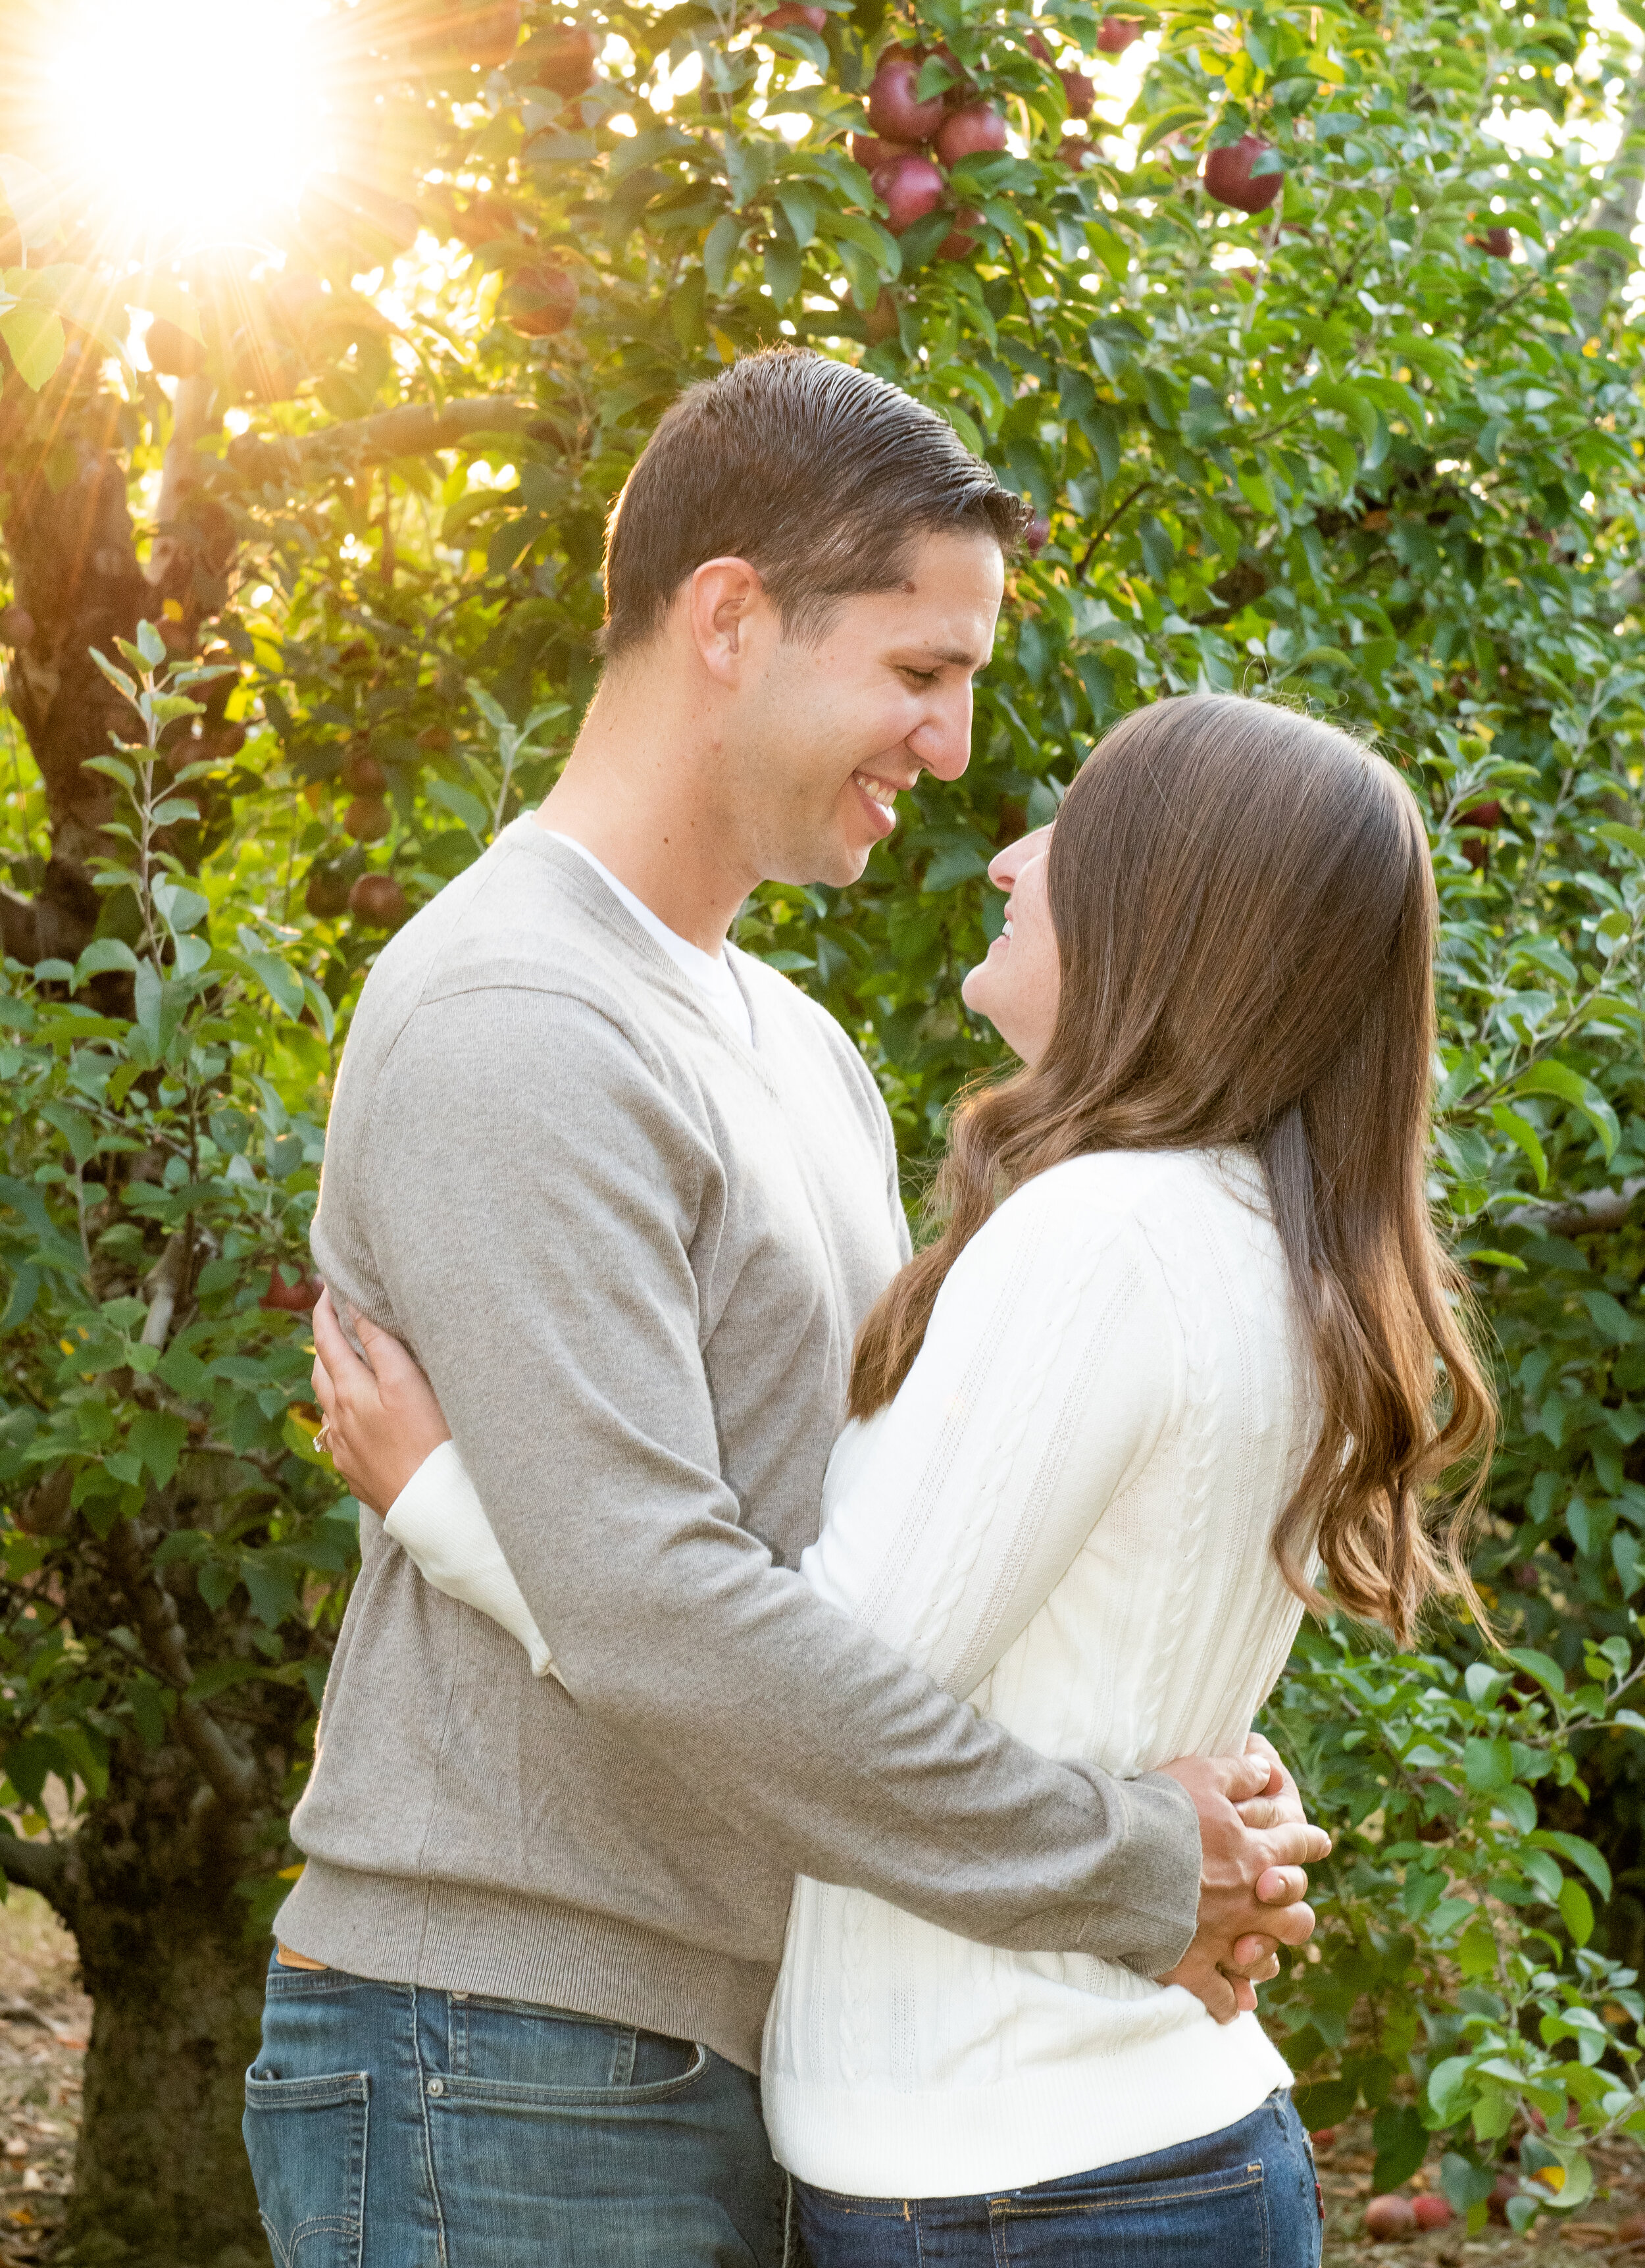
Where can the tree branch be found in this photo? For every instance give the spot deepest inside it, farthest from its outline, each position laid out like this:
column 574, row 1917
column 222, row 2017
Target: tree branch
column 229, row 1771
column 1603, row 273
column 1579, row 1216
column 32, row 1865
column 165, row 1285
column 180, row 471
column 416, row 430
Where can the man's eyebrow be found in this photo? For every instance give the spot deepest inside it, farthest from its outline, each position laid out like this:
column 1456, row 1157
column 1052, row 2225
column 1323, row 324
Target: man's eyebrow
column 961, row 654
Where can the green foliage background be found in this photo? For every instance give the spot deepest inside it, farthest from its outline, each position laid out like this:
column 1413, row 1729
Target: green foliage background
column 1340, row 454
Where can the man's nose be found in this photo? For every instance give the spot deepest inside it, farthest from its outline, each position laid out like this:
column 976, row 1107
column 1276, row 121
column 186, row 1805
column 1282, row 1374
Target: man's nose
column 941, row 738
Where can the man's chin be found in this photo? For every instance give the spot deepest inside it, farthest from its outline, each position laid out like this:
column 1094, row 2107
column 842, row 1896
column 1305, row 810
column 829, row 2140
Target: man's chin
column 837, row 865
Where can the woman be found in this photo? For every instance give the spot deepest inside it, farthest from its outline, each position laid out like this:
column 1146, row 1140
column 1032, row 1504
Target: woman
column 1174, row 1343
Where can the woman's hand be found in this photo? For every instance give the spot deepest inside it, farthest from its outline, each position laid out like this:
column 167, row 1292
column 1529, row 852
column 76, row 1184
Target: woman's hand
column 382, row 1419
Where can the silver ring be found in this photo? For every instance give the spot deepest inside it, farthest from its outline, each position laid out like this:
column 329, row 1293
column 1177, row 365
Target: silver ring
column 322, row 1439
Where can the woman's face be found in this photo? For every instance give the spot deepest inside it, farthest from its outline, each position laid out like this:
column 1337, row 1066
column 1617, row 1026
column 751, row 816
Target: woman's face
column 1017, row 987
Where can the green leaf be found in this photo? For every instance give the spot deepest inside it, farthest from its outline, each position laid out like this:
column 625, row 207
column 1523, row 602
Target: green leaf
column 111, row 767
column 102, row 954
column 1326, row 2104
column 35, row 337
column 1546, row 1672
column 1558, row 1079
column 720, row 253
column 284, row 984
column 1520, row 1130
column 1400, row 2140
column 159, row 1438
column 1577, row 1853
column 1577, row 1911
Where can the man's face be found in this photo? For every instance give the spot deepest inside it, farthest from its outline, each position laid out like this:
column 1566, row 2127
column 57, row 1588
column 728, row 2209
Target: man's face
column 826, row 737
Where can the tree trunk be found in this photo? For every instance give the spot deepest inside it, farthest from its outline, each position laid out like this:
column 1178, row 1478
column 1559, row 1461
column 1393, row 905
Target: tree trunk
column 175, row 1977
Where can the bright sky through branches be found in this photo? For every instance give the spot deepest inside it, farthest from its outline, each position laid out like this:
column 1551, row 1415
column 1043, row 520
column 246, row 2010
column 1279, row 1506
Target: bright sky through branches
column 183, row 119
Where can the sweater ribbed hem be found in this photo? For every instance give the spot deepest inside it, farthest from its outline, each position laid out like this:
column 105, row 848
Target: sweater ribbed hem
column 461, row 1937
column 1038, row 2125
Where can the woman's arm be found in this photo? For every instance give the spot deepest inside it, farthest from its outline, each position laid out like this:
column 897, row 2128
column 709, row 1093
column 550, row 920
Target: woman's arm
column 388, row 1437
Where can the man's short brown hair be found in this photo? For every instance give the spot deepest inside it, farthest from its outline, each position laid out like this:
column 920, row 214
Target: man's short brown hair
column 823, row 477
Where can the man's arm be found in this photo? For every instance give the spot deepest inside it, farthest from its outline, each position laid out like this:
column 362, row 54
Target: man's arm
column 540, row 1192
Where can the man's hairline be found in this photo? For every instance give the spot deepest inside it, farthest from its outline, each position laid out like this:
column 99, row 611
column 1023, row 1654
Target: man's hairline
column 829, row 607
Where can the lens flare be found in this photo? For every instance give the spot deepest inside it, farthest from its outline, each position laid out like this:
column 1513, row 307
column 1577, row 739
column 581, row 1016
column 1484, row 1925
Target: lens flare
column 182, row 119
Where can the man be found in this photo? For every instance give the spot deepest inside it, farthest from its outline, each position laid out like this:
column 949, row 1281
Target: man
column 627, row 1200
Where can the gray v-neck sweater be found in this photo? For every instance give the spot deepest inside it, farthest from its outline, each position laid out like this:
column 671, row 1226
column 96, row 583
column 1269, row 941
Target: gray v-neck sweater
column 632, row 1255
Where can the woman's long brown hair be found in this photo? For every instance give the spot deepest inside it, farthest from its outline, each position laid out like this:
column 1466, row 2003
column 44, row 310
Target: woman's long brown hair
column 1244, row 913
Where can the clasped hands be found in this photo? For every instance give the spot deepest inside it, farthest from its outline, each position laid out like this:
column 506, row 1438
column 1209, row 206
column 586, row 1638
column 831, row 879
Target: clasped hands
column 1255, row 1842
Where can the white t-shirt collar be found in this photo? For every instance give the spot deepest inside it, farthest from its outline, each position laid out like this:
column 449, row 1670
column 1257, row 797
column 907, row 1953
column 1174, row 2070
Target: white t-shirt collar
column 710, row 972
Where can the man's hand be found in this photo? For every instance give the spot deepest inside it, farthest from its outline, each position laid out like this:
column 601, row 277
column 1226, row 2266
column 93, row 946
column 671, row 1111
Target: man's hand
column 1253, row 1844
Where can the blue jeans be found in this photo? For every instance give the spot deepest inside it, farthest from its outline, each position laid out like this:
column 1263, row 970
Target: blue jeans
column 389, row 2127
column 1245, row 2197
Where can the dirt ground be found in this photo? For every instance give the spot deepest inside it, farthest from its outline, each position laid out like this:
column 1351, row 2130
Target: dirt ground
column 1588, row 2236
column 44, row 2019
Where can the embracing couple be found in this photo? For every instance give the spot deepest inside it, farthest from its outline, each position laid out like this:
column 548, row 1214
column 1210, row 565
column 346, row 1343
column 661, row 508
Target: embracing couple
column 641, row 1635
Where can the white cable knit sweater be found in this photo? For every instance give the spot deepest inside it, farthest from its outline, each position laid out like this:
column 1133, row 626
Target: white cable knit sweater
column 1065, row 1516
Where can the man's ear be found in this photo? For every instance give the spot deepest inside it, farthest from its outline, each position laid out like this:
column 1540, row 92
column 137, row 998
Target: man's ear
column 724, row 598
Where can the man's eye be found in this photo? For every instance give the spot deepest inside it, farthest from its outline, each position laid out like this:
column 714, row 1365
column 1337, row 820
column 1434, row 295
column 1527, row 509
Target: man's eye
column 921, row 676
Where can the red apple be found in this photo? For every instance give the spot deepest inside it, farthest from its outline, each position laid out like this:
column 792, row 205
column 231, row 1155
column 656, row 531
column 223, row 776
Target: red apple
column 17, row 627
column 780, row 19
column 367, row 819
column 1076, row 149
column 1499, row 242
column 870, row 153
column 483, row 222
column 363, row 775
column 489, row 35
column 1477, row 854
column 1497, row 2204
column 976, row 129
column 893, row 110
column 1228, row 177
column 960, row 243
column 565, row 61
column 485, row 34
column 172, row 351
column 1037, row 534
column 1389, row 2217
column 1323, row 2137
column 1080, row 91
column 540, row 301
column 1115, row 34
column 911, row 187
column 1432, row 2211
column 379, row 900
column 296, row 1298
column 1038, row 49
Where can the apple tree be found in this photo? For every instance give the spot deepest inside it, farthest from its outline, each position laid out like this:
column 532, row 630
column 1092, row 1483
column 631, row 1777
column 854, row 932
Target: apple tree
column 1308, row 333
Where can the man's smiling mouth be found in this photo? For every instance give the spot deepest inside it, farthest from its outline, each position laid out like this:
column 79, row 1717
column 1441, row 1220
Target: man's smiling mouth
column 885, row 792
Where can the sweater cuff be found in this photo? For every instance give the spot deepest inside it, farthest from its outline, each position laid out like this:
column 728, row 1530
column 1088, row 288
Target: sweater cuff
column 1162, row 1837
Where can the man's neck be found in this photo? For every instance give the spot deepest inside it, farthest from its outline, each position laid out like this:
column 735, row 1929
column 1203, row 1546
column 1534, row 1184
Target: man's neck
column 636, row 791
